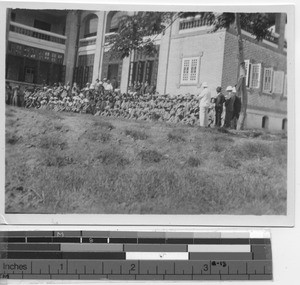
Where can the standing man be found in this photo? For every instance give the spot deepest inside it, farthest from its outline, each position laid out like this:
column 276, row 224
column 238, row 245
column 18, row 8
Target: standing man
column 229, row 102
column 219, row 106
column 15, row 96
column 104, row 83
column 204, row 101
column 114, row 83
column 97, row 85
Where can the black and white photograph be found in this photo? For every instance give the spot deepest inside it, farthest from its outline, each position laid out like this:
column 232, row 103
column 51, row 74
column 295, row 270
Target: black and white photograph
column 146, row 111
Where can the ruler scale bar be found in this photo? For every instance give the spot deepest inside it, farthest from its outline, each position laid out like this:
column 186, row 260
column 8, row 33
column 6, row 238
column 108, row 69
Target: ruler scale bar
column 130, row 255
column 219, row 248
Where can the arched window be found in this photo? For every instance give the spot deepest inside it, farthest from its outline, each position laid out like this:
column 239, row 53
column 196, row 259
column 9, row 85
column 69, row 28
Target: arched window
column 90, row 27
column 113, row 20
column 265, row 122
column 284, row 124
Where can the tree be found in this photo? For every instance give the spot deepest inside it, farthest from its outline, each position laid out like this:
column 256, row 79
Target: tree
column 135, row 33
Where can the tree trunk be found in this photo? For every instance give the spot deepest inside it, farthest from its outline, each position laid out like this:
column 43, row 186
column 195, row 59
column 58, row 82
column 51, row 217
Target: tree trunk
column 241, row 86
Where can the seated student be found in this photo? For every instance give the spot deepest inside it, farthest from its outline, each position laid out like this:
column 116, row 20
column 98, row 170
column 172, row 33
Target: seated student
column 75, row 89
column 108, row 86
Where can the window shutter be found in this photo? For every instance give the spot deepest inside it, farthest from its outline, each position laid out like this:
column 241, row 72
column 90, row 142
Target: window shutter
column 278, row 82
column 267, row 80
column 185, row 70
column 255, row 75
column 247, row 68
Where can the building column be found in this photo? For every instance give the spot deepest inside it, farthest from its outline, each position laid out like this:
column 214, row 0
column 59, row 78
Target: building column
column 281, row 32
column 125, row 74
column 71, row 32
column 8, row 15
column 164, row 54
column 100, row 41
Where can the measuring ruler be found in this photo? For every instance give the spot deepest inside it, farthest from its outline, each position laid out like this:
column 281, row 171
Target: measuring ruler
column 132, row 255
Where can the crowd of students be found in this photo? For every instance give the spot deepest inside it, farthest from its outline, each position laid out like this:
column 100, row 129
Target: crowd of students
column 140, row 103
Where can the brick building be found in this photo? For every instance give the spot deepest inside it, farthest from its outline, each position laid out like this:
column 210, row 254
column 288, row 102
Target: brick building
column 48, row 46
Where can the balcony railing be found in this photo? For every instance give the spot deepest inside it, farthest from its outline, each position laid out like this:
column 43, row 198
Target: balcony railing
column 196, row 22
column 272, row 38
column 87, row 41
column 193, row 22
column 36, row 33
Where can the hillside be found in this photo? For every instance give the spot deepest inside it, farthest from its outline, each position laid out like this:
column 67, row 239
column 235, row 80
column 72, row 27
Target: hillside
column 75, row 163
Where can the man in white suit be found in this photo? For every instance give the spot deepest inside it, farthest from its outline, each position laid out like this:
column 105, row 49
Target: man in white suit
column 204, row 101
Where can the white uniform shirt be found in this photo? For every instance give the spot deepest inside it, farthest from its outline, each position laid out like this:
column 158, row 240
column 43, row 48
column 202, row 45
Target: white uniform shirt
column 108, row 87
column 204, row 98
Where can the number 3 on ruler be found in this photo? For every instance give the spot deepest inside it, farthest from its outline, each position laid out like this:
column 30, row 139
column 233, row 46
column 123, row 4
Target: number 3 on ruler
column 205, row 267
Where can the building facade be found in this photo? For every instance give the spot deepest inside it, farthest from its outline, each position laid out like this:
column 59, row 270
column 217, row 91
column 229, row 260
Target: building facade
column 50, row 46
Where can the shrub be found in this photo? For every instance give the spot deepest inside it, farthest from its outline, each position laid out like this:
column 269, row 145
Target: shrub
column 284, row 135
column 223, row 130
column 52, row 141
column 108, row 157
column 58, row 125
column 230, row 160
column 56, row 159
column 250, row 150
column 150, row 156
column 11, row 138
column 136, row 135
column 175, row 137
column 104, row 125
column 218, row 146
column 223, row 139
column 193, row 161
column 102, row 136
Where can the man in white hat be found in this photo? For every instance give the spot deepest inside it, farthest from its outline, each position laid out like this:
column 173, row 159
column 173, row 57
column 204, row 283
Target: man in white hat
column 204, row 101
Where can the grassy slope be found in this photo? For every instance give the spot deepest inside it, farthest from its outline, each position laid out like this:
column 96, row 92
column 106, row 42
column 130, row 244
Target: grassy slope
column 70, row 163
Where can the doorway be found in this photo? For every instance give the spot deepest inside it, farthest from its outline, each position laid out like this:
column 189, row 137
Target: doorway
column 29, row 75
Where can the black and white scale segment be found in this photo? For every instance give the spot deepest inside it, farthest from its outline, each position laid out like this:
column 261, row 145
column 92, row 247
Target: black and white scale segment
column 134, row 255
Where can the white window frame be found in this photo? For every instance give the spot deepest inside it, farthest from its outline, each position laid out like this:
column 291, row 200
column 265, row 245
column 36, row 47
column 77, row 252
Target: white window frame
column 253, row 65
column 268, row 89
column 278, row 76
column 247, row 67
column 189, row 81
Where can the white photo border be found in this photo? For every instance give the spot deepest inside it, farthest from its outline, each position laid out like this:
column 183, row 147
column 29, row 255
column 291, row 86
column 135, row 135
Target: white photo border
column 159, row 220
